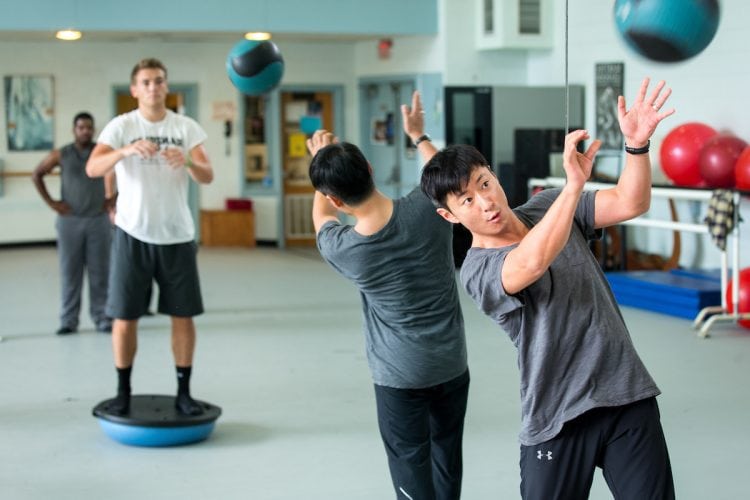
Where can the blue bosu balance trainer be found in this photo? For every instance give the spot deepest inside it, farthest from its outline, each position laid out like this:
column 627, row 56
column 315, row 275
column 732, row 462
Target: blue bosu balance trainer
column 154, row 421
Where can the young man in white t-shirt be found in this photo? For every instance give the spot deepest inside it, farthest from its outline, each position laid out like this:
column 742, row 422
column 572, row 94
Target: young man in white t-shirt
column 153, row 151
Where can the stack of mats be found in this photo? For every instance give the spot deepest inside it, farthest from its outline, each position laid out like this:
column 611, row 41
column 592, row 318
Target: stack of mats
column 681, row 293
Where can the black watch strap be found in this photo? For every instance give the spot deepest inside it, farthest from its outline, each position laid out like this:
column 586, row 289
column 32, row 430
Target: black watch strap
column 638, row 151
column 422, row 138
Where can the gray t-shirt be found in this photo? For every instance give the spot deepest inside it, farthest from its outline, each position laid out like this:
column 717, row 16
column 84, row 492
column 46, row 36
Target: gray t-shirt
column 414, row 329
column 574, row 350
column 84, row 194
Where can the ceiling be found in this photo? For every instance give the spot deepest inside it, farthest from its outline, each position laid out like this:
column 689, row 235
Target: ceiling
column 174, row 36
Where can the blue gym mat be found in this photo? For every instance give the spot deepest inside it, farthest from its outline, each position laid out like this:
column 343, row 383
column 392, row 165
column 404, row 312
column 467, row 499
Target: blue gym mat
column 682, row 293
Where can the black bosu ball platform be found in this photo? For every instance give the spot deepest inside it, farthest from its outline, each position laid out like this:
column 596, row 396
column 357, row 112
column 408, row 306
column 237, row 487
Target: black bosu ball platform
column 154, row 421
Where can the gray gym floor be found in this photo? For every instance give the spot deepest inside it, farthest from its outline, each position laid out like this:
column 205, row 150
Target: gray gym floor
column 280, row 349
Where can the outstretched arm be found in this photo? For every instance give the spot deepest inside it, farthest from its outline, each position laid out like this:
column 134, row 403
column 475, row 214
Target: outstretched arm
column 323, row 210
column 526, row 263
column 413, row 119
column 631, row 196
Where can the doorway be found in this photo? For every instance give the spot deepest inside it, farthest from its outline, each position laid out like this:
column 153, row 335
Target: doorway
column 302, row 113
column 390, row 151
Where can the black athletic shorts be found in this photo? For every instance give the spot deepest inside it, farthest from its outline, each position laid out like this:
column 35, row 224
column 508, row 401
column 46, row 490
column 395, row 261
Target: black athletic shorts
column 135, row 265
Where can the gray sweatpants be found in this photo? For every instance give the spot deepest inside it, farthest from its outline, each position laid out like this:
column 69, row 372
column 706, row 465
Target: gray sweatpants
column 83, row 242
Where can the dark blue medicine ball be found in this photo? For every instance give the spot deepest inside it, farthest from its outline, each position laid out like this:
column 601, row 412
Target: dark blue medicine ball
column 255, row 67
column 667, row 30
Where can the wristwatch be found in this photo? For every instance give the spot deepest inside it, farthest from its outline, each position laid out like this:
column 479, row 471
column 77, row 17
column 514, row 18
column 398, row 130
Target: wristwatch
column 423, row 137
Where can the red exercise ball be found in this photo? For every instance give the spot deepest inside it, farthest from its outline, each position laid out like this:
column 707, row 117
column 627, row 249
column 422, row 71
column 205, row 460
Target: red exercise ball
column 718, row 158
column 742, row 170
column 680, row 153
column 744, row 302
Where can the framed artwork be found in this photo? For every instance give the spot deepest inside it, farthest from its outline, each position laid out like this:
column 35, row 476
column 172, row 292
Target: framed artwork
column 256, row 162
column 609, row 85
column 381, row 130
column 29, row 112
column 378, row 131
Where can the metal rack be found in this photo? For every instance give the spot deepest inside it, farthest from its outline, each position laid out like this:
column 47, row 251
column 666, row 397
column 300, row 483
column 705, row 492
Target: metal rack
column 708, row 316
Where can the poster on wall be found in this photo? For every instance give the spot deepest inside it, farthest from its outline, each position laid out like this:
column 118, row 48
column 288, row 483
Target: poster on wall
column 381, row 133
column 609, row 85
column 29, row 112
column 256, row 162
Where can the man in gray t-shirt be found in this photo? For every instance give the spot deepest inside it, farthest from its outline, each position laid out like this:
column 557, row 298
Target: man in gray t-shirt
column 586, row 398
column 399, row 255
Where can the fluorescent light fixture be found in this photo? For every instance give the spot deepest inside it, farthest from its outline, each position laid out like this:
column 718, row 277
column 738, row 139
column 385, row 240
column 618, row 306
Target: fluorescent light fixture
column 68, row 35
column 257, row 35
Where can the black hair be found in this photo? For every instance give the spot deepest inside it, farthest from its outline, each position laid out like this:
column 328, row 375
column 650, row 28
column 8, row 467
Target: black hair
column 83, row 115
column 341, row 170
column 448, row 172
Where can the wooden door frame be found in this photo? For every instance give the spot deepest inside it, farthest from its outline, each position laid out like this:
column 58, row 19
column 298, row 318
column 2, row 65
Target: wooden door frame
column 337, row 92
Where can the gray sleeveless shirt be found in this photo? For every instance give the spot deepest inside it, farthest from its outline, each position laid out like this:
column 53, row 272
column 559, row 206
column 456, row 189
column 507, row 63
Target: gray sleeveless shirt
column 84, row 194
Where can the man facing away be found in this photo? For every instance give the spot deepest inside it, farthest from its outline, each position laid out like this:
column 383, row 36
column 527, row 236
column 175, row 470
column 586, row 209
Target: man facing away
column 83, row 229
column 587, row 400
column 399, row 255
column 154, row 153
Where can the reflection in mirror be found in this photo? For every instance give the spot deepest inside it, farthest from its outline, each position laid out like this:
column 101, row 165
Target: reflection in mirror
column 692, row 45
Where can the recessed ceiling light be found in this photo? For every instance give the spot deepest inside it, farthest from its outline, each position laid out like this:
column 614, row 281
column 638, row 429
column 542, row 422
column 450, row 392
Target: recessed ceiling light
column 68, row 35
column 257, row 35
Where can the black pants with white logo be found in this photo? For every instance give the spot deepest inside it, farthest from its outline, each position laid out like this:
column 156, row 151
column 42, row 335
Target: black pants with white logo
column 422, row 430
column 626, row 442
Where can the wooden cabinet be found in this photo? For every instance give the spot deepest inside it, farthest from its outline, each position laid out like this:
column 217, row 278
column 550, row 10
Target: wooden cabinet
column 228, row 228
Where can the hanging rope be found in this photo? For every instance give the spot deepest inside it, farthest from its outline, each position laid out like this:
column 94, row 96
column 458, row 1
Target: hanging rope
column 567, row 87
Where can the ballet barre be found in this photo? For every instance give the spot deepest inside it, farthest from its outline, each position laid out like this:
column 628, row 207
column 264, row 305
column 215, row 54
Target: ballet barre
column 708, row 316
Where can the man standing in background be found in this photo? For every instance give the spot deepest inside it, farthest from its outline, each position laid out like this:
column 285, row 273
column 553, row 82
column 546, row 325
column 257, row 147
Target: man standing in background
column 83, row 228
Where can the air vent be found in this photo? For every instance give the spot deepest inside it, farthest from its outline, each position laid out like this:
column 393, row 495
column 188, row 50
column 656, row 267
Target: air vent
column 529, row 17
column 297, row 210
column 514, row 24
column 489, row 16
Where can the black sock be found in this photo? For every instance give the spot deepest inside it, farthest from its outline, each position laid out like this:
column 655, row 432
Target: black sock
column 183, row 379
column 121, row 404
column 184, row 403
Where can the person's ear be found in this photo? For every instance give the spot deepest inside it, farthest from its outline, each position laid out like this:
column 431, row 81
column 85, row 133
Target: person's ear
column 447, row 215
column 336, row 202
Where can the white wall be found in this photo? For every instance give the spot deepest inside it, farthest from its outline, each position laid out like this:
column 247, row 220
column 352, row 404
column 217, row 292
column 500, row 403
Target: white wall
column 451, row 52
column 464, row 64
column 409, row 55
column 85, row 73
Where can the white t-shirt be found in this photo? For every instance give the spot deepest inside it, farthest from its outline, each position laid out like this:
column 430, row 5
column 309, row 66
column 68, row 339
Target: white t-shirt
column 152, row 205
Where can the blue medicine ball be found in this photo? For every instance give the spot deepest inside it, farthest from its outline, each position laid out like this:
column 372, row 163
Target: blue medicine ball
column 667, row 30
column 255, row 67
